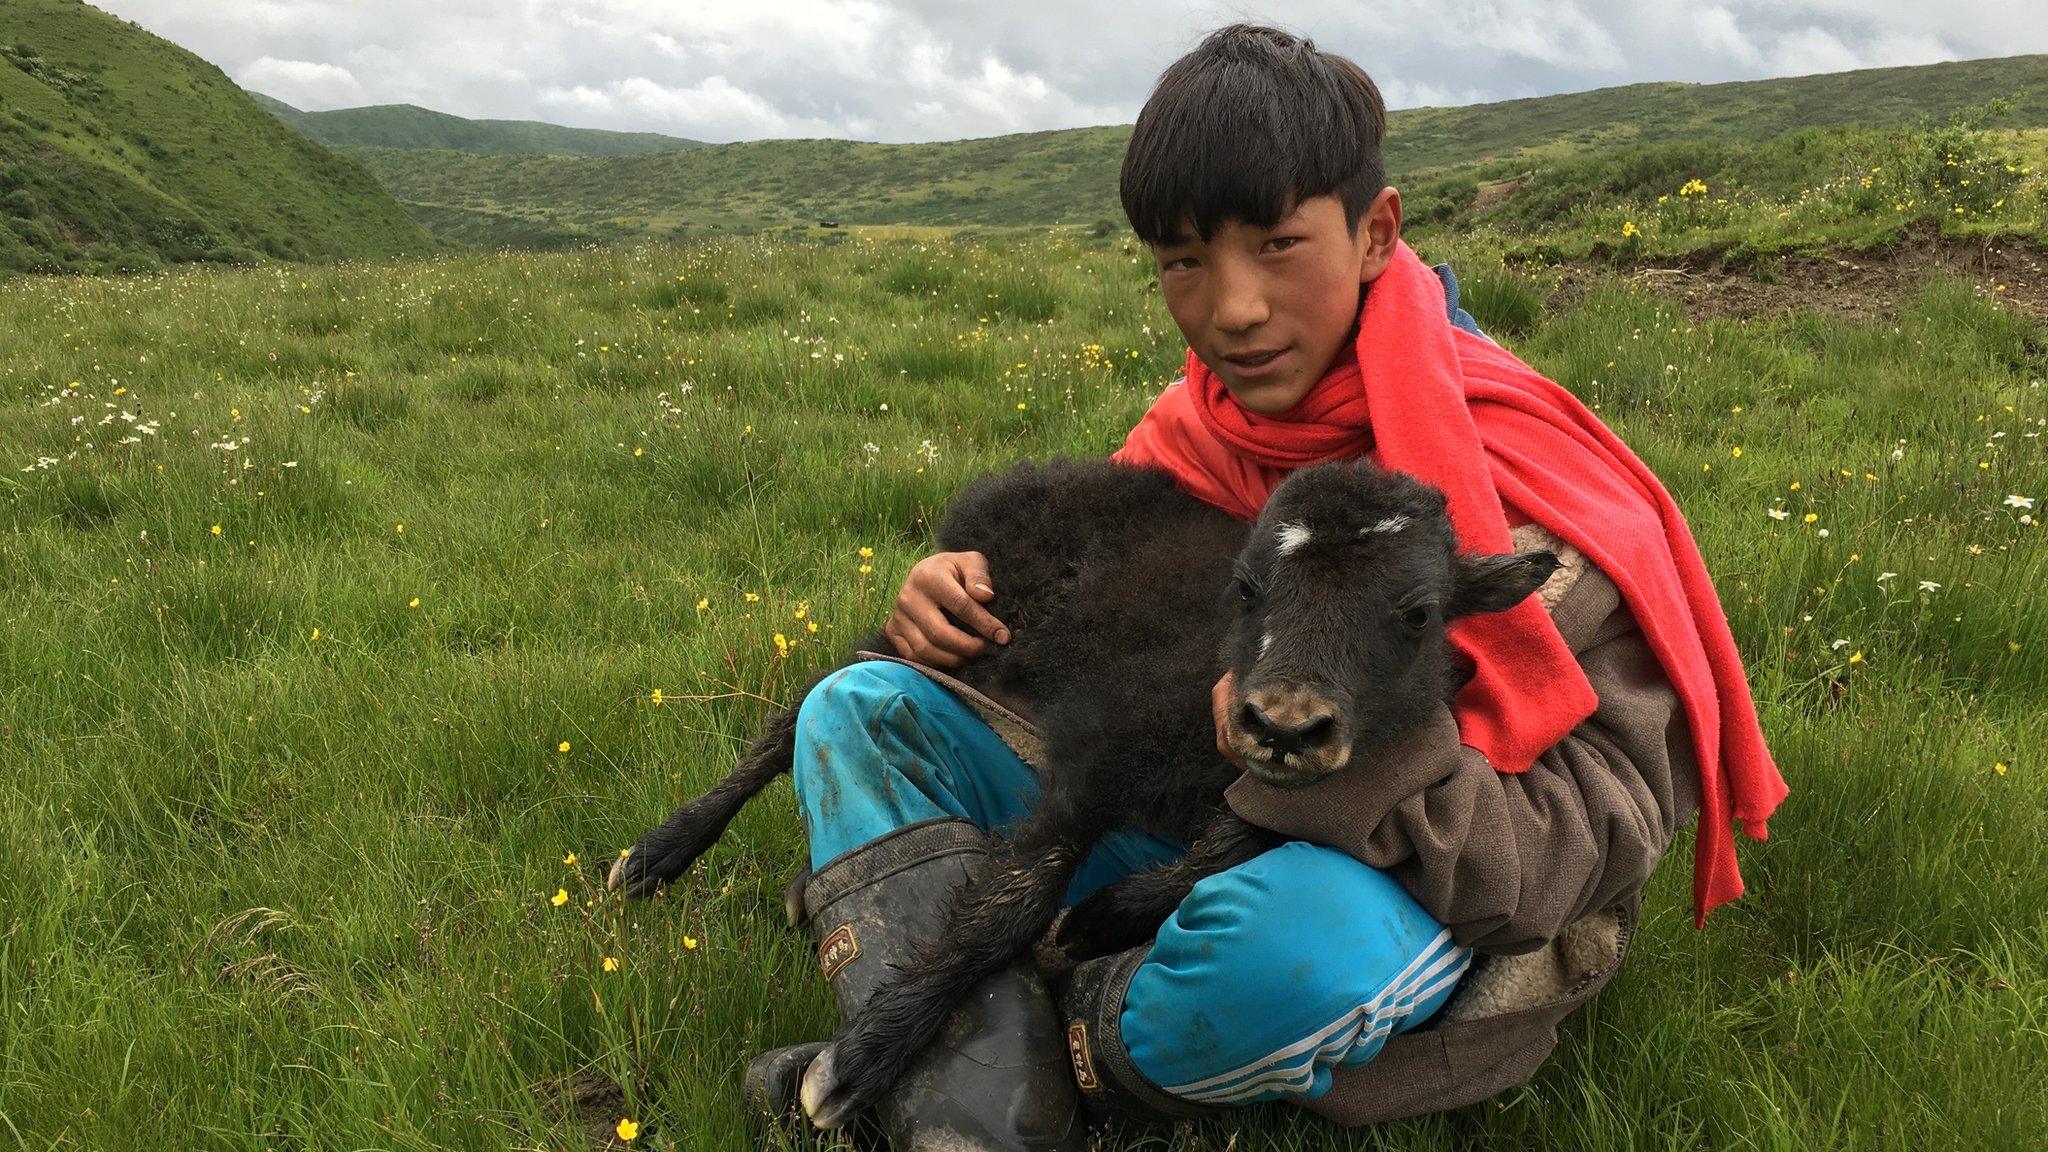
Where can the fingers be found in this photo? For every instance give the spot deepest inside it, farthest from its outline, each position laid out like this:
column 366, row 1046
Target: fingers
column 963, row 599
column 1219, row 710
column 911, row 643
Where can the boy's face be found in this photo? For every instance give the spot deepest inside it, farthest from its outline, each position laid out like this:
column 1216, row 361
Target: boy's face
column 1293, row 289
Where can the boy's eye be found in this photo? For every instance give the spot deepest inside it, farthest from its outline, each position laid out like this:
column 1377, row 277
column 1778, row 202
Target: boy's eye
column 1173, row 265
column 1285, row 242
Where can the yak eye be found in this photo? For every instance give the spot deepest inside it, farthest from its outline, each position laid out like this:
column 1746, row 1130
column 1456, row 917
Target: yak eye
column 1417, row 618
column 1245, row 590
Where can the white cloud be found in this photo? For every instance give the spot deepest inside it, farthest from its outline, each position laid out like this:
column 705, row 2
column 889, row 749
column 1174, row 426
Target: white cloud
column 302, row 83
column 712, row 106
column 938, row 69
column 1719, row 32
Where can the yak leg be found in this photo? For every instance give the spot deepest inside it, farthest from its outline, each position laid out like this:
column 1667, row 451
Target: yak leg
column 1129, row 912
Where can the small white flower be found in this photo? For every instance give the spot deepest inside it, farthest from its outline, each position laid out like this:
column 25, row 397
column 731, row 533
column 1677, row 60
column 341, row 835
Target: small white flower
column 1884, row 576
column 1822, row 532
column 2019, row 501
column 1838, row 645
column 1777, row 513
column 1928, row 585
column 1898, row 453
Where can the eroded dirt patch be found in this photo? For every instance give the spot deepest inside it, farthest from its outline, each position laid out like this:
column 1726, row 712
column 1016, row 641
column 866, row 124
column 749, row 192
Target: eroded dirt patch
column 1866, row 284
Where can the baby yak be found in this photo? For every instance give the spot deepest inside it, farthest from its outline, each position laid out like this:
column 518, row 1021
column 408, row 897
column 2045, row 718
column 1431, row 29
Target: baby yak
column 1127, row 600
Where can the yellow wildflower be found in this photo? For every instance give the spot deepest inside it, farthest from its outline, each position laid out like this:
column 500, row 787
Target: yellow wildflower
column 655, row 696
column 628, row 1129
column 703, row 602
column 316, row 634
column 413, row 603
column 1856, row 657
column 1999, row 767
column 781, row 644
column 611, row 963
column 867, row 553
column 1810, row 517
column 1628, row 228
column 1735, row 451
column 690, row 943
column 216, row 529
column 560, row 897
column 570, row 859
column 562, row 747
column 752, row 598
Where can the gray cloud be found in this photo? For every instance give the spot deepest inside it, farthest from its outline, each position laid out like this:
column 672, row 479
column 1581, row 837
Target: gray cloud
column 904, row 70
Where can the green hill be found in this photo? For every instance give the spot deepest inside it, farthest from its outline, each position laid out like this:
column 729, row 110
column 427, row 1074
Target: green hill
column 1030, row 178
column 410, row 126
column 1425, row 139
column 119, row 150
column 1070, row 176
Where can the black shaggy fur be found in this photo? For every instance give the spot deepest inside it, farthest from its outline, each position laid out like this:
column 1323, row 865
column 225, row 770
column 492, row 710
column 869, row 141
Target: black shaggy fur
column 1127, row 599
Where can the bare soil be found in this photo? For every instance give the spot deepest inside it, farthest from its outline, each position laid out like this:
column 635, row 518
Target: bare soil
column 1863, row 284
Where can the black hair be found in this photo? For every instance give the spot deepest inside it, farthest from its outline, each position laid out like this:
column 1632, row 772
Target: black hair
column 1246, row 126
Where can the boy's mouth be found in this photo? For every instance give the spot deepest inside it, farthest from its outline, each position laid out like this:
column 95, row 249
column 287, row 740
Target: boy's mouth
column 1255, row 363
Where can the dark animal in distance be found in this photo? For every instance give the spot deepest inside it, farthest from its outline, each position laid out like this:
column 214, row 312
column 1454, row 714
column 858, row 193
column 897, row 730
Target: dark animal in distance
column 1127, row 599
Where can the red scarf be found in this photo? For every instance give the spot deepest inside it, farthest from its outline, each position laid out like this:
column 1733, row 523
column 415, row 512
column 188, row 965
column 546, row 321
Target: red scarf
column 1436, row 402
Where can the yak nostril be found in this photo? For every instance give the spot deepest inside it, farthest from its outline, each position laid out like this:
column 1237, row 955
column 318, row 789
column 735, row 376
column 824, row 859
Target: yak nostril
column 1283, row 737
column 1316, row 731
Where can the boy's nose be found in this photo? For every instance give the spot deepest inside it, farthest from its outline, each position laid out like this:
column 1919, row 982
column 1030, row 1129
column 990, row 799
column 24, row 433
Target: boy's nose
column 1239, row 307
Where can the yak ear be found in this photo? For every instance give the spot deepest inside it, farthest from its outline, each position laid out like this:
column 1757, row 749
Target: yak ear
column 1497, row 583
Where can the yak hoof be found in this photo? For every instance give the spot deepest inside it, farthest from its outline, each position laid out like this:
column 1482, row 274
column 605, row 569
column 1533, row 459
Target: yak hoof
column 823, row 1102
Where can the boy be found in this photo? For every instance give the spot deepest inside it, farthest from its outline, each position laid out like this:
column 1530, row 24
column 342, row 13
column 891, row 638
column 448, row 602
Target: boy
column 1517, row 831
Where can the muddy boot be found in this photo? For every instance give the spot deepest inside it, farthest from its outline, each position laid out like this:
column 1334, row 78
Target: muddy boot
column 996, row 1075
column 773, row 1077
column 1092, row 1004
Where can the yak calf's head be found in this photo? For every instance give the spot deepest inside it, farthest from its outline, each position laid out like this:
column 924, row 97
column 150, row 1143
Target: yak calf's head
column 1342, row 595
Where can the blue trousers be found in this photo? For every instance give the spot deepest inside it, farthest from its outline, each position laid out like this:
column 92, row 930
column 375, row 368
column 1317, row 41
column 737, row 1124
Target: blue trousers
column 1267, row 976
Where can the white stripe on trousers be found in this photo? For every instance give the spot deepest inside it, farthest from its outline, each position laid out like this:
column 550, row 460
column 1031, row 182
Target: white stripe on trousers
column 1436, row 967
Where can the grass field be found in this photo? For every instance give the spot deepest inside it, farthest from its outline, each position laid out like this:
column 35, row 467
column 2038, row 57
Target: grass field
column 352, row 617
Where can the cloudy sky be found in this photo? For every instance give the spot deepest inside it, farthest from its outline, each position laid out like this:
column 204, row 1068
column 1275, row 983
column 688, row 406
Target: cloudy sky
column 907, row 70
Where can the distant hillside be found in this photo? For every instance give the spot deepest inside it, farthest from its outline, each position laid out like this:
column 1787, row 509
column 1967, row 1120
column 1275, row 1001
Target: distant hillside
column 1070, row 176
column 1422, row 139
column 1031, row 178
column 410, row 126
column 119, row 150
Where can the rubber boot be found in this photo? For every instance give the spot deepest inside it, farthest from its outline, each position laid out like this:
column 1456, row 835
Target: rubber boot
column 996, row 1075
column 1092, row 1003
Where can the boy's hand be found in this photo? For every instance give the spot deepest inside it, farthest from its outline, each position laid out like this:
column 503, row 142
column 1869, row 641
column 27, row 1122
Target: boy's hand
column 955, row 582
column 1219, row 707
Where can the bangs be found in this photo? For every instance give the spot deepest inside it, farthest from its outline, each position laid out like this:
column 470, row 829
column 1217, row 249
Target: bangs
column 1245, row 127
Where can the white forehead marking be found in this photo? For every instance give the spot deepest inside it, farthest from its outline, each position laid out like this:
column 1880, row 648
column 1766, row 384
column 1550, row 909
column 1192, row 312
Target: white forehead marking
column 1265, row 642
column 1292, row 535
column 1390, row 524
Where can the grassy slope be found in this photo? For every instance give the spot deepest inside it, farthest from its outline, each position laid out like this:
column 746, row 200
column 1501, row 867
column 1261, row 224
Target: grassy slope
column 410, row 126
column 1427, row 139
column 121, row 150
column 284, row 805
column 1070, row 176
column 1030, row 178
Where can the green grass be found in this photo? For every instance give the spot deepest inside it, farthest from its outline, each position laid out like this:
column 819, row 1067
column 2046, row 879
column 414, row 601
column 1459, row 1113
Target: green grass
column 261, row 888
column 119, row 151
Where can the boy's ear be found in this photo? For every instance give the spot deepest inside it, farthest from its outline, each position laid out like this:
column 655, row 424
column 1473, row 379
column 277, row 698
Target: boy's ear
column 1381, row 226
